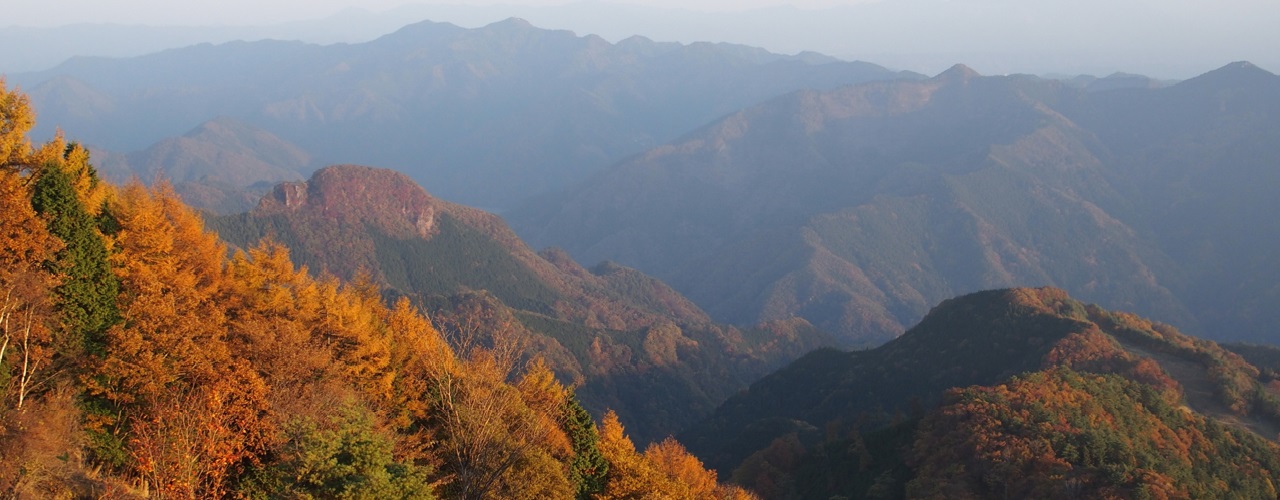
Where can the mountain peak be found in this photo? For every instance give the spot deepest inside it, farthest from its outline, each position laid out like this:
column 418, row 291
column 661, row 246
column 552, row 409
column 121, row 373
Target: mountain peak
column 957, row 73
column 1243, row 66
column 1239, row 73
column 1243, row 69
column 219, row 125
column 511, row 24
column 420, row 32
column 384, row 198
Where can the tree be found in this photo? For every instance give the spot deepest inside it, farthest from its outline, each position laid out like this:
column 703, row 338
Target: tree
column 25, row 310
column 588, row 469
column 16, row 118
column 186, row 445
column 87, row 295
column 692, row 480
column 196, row 409
column 483, row 425
column 418, row 354
column 630, row 475
column 343, row 457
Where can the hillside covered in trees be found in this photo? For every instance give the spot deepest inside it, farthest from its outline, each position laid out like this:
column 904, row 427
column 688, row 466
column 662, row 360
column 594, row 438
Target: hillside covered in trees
column 1019, row 393
column 140, row 359
column 629, row 342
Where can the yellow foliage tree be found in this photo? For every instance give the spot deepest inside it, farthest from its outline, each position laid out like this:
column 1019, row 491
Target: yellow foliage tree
column 25, row 308
column 16, row 119
column 630, row 474
column 685, row 471
column 173, row 342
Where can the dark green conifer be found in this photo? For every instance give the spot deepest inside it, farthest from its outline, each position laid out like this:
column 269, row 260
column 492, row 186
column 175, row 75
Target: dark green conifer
column 588, row 469
column 87, row 295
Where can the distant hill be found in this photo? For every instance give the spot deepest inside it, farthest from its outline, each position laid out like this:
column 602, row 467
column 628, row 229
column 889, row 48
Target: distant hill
column 1108, row 401
column 223, row 165
column 633, row 344
column 856, row 208
column 488, row 116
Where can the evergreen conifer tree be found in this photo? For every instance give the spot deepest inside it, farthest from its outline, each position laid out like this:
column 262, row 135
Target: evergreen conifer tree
column 87, row 295
column 588, row 469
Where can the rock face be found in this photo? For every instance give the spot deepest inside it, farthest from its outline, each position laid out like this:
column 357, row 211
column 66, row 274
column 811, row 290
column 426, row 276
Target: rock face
column 353, row 194
column 290, row 194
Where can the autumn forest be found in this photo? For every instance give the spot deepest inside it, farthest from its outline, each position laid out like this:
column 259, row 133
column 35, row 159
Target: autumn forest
column 141, row 358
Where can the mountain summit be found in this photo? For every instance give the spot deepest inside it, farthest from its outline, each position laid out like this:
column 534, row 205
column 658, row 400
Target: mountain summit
column 358, row 195
column 1006, row 393
column 958, row 73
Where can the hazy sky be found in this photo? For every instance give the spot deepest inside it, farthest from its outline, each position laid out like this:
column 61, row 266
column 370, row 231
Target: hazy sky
column 1161, row 38
column 45, row 13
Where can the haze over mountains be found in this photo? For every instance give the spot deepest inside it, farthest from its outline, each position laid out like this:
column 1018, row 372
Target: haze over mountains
column 223, row 165
column 857, row 208
column 487, row 116
column 854, row 207
column 1162, row 39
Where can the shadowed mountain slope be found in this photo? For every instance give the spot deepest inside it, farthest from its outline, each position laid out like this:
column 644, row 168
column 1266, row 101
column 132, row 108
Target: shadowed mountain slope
column 856, row 208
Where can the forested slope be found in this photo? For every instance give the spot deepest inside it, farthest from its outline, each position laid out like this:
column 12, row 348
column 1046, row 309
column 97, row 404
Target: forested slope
column 140, row 359
column 1020, row 392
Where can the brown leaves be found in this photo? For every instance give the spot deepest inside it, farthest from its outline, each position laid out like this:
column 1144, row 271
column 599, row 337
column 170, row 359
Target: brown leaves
column 187, row 445
column 26, row 316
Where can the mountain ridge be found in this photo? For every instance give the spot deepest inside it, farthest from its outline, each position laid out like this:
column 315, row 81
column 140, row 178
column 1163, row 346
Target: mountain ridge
column 826, row 409
column 429, row 98
column 882, row 198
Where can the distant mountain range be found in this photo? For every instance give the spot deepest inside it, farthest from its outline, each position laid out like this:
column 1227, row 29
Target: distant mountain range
column 859, row 207
column 632, row 344
column 1093, row 37
column 1023, row 393
column 487, row 116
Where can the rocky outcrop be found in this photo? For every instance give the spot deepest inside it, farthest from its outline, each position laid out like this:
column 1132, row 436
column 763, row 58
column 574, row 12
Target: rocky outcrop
column 385, row 199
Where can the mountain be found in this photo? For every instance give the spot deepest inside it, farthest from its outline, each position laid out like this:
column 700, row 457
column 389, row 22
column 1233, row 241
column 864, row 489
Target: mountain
column 42, row 48
column 1114, row 81
column 856, row 208
column 635, row 345
column 1108, row 401
column 488, row 116
column 223, row 165
column 155, row 363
